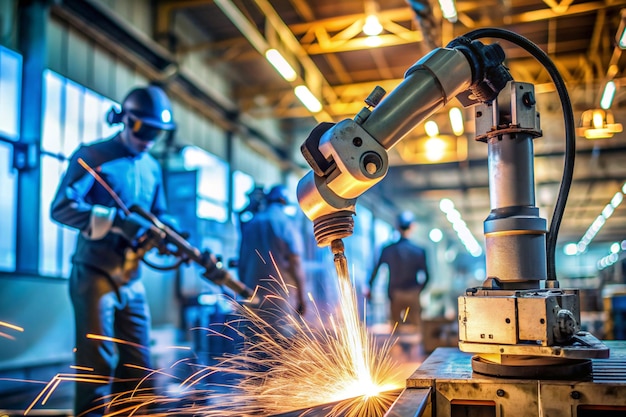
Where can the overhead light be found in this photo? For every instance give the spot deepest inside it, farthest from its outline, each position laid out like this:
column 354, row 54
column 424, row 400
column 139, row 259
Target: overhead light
column 456, row 121
column 460, row 227
column 597, row 224
column 598, row 124
column 280, row 63
column 372, row 26
column 435, row 149
column 570, row 249
column 435, row 235
column 607, row 95
column 448, row 10
column 307, row 98
column 431, row 128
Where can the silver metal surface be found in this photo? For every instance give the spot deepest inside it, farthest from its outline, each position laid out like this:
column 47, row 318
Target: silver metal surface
column 429, row 84
column 529, row 322
column 358, row 148
column 456, row 390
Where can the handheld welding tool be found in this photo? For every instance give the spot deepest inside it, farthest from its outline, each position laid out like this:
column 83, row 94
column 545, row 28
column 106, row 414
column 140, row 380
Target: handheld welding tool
column 169, row 242
column 520, row 310
column 172, row 243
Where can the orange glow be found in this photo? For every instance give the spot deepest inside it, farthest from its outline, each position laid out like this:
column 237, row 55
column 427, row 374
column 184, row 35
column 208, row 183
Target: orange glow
column 114, row 340
column 329, row 359
column 11, row 326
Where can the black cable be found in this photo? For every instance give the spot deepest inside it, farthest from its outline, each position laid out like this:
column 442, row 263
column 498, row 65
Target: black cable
column 152, row 265
column 570, row 139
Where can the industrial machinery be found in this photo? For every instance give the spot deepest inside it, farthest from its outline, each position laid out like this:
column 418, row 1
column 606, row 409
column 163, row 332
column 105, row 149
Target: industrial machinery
column 519, row 323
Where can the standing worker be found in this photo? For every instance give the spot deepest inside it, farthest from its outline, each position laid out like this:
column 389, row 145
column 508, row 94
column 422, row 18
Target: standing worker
column 408, row 275
column 108, row 297
column 270, row 255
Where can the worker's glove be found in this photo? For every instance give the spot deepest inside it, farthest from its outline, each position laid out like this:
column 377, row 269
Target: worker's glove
column 137, row 230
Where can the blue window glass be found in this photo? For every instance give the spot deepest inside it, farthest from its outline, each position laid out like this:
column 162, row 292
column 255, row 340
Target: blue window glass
column 242, row 185
column 72, row 114
column 10, row 87
column 7, row 209
column 212, row 183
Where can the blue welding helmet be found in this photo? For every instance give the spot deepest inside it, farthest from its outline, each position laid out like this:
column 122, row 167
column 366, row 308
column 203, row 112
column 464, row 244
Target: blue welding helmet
column 147, row 111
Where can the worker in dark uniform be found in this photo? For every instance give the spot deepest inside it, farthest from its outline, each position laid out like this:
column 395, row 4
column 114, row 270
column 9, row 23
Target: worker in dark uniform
column 408, row 275
column 270, row 258
column 256, row 203
column 108, row 297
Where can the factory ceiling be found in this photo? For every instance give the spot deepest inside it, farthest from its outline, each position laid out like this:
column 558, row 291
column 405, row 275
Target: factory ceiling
column 324, row 42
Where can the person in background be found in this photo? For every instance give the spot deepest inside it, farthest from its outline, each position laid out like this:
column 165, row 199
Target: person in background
column 111, row 312
column 270, row 259
column 256, row 203
column 408, row 275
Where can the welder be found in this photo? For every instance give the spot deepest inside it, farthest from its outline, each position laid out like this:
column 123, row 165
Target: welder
column 108, row 297
column 270, row 259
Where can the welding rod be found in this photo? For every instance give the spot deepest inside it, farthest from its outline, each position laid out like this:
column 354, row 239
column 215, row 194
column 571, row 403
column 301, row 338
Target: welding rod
column 341, row 263
column 106, row 186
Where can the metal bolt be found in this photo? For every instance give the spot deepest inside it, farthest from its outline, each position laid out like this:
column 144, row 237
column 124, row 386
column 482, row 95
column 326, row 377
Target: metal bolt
column 528, row 99
column 500, row 393
column 371, row 168
column 375, row 96
column 575, row 395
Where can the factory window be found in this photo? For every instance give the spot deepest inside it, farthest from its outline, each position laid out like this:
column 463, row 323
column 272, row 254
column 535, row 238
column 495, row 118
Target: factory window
column 242, row 185
column 212, row 189
column 10, row 87
column 72, row 114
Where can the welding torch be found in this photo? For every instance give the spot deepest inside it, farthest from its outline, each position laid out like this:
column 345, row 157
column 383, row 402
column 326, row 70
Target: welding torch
column 167, row 238
column 213, row 269
column 350, row 157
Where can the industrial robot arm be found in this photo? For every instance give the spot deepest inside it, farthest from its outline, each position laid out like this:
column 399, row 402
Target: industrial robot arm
column 519, row 311
column 350, row 157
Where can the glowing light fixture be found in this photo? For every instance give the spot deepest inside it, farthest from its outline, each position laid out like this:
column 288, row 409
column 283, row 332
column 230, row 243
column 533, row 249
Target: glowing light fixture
column 598, row 124
column 280, row 63
column 435, row 235
column 431, row 128
column 460, row 227
column 308, row 98
column 372, row 26
column 570, row 249
column 607, row 95
column 597, row 224
column 456, row 121
column 435, row 149
column 448, row 9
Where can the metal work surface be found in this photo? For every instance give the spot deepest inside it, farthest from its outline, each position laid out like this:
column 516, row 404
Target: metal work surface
column 457, row 390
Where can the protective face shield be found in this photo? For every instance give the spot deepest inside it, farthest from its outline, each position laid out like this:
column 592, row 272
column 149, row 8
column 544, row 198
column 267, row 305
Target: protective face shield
column 144, row 132
column 147, row 114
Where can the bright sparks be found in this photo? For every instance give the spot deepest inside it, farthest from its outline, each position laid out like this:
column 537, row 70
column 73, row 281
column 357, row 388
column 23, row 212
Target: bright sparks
column 11, row 327
column 330, row 363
